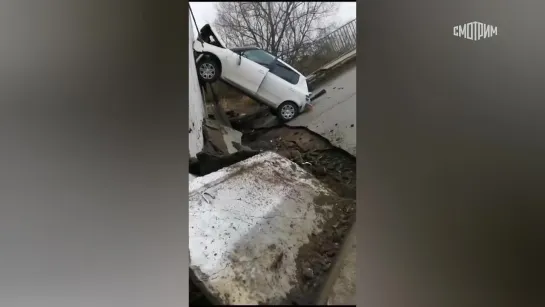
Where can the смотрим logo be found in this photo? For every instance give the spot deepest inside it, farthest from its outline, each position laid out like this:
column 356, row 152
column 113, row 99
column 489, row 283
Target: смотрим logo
column 475, row 31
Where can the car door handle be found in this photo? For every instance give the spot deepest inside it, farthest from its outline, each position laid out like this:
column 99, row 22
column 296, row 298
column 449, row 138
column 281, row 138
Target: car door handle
column 261, row 71
column 291, row 89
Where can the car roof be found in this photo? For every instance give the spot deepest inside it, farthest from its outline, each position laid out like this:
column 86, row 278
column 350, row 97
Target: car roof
column 236, row 49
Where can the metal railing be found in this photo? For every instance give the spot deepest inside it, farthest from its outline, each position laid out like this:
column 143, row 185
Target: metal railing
column 328, row 48
column 342, row 40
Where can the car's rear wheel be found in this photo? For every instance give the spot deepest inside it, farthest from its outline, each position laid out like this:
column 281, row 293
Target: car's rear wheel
column 208, row 70
column 287, row 111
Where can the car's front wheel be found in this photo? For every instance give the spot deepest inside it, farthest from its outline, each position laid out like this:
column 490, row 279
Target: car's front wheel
column 208, row 70
column 287, row 111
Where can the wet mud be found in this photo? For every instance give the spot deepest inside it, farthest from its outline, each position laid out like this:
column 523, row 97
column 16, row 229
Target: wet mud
column 337, row 170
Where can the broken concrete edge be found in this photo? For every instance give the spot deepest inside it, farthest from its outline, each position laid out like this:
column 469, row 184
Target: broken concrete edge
column 251, row 116
column 334, row 272
column 199, row 284
column 323, row 293
column 328, row 65
column 224, row 139
column 222, row 147
column 324, row 75
column 208, row 163
column 218, row 178
column 328, row 142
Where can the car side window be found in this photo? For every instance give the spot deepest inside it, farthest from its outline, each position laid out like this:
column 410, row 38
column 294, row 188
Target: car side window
column 260, row 57
column 285, row 73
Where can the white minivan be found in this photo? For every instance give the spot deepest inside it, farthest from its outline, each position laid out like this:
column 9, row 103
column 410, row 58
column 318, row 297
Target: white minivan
column 254, row 71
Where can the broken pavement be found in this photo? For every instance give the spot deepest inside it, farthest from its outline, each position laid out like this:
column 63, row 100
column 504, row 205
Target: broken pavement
column 264, row 231
column 333, row 120
column 313, row 157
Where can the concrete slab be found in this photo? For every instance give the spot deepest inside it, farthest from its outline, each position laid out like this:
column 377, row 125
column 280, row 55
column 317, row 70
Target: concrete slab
column 247, row 225
column 232, row 139
column 225, row 139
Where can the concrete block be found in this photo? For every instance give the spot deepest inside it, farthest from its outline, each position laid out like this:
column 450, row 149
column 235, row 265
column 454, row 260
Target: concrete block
column 224, row 138
column 248, row 225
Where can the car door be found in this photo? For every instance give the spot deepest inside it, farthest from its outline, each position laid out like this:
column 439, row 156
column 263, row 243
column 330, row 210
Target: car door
column 254, row 65
column 278, row 85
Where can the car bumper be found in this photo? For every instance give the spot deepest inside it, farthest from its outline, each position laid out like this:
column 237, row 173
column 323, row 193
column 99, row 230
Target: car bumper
column 307, row 101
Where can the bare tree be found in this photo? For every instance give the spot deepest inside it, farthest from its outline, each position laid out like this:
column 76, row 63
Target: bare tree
column 285, row 29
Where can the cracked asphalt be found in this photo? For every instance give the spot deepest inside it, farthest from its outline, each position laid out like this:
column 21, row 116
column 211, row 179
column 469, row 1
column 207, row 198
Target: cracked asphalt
column 334, row 117
column 334, row 114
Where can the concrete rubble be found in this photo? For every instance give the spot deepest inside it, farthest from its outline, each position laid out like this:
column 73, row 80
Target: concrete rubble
column 256, row 231
column 245, row 247
column 224, row 139
column 243, row 208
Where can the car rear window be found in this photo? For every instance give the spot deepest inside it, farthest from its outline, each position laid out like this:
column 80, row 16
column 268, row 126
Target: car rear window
column 285, row 73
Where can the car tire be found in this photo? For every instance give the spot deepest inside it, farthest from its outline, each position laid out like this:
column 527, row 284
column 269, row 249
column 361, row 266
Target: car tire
column 208, row 70
column 287, row 111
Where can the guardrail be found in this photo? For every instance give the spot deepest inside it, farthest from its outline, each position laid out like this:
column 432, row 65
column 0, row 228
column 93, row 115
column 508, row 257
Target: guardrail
column 342, row 40
column 328, row 48
column 328, row 67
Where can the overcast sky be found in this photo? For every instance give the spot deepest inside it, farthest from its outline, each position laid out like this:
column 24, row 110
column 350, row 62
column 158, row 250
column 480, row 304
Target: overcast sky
column 205, row 12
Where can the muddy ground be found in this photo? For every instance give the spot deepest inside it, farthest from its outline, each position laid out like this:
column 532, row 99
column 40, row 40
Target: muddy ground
column 331, row 165
column 337, row 170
